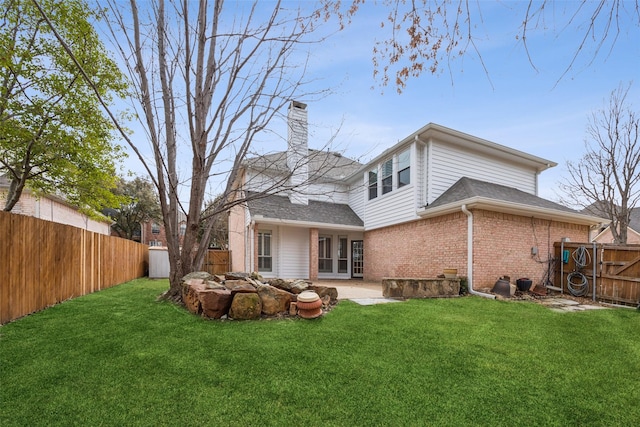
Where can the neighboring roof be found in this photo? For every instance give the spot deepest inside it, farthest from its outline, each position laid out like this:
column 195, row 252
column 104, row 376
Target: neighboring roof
column 437, row 132
column 484, row 195
column 598, row 208
column 322, row 165
column 274, row 208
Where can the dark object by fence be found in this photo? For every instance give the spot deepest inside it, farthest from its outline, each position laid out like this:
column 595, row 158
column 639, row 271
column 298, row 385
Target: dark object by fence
column 502, row 287
column 523, row 284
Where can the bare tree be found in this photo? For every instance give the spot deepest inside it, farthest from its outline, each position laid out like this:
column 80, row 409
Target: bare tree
column 606, row 179
column 429, row 35
column 209, row 79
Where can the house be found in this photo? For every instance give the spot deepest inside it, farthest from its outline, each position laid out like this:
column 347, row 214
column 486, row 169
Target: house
column 605, row 235
column 437, row 199
column 53, row 208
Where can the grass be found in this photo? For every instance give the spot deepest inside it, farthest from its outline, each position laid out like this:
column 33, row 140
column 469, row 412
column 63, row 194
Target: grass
column 118, row 357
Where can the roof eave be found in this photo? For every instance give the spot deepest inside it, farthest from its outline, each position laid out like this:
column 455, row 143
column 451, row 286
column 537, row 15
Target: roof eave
column 435, row 131
column 513, row 208
column 305, row 224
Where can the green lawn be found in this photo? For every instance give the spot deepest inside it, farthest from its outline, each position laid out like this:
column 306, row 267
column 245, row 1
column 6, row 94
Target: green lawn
column 119, row 358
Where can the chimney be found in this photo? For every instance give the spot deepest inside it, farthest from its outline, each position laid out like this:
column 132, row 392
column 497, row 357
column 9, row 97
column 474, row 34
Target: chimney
column 298, row 152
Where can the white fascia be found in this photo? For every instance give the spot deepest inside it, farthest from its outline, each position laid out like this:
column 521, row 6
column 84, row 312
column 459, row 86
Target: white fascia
column 512, row 208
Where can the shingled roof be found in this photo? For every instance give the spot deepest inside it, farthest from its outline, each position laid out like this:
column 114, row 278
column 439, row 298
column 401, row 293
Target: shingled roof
column 467, row 188
column 322, row 165
column 277, row 207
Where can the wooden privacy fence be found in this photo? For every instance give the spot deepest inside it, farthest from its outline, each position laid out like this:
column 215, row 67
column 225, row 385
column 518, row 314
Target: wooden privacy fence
column 217, row 262
column 616, row 273
column 43, row 263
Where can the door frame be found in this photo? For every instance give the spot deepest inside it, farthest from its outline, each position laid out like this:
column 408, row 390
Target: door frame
column 353, row 259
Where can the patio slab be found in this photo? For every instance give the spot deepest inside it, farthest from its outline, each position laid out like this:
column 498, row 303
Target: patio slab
column 373, row 301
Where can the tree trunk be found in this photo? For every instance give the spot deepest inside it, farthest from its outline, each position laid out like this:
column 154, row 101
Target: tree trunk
column 13, row 195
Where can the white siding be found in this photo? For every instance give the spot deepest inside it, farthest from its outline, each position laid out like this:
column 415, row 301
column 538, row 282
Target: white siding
column 293, row 253
column 449, row 164
column 391, row 208
column 333, row 193
column 357, row 195
column 261, row 182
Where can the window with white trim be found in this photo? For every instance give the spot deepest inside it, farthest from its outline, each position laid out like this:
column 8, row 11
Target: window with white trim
column 264, row 251
column 373, row 183
column 387, row 176
column 325, row 260
column 342, row 254
column 404, row 168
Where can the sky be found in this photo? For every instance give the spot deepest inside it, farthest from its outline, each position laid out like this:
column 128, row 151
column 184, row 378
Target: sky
column 538, row 110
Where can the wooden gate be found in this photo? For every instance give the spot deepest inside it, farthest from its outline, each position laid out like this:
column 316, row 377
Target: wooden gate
column 616, row 273
column 217, row 262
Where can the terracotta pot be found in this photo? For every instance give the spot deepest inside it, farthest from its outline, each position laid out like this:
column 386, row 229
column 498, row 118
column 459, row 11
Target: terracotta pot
column 302, row 305
column 310, row 314
column 308, row 296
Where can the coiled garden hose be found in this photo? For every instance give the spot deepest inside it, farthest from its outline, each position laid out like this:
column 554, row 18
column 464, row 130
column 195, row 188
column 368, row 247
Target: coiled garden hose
column 577, row 282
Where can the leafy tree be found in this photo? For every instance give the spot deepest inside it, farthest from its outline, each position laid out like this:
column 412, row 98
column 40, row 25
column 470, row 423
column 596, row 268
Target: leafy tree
column 54, row 137
column 606, row 180
column 140, row 205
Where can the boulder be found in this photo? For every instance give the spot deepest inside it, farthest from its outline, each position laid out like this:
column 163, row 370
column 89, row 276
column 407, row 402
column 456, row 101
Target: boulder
column 245, row 306
column 190, row 296
column 215, row 303
column 274, row 300
column 323, row 291
column 240, row 286
column 236, row 276
column 293, row 286
column 202, row 275
column 214, row 285
column 293, row 308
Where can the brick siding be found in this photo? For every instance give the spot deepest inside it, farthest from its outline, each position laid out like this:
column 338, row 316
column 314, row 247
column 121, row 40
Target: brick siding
column 417, row 249
column 502, row 246
column 313, row 254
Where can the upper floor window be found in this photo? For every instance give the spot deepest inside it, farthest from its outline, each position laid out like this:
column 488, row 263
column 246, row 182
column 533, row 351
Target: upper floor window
column 404, row 168
column 155, row 228
column 387, row 176
column 373, row 184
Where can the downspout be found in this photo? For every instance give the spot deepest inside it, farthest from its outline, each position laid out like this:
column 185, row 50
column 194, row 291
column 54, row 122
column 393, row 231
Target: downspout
column 470, row 255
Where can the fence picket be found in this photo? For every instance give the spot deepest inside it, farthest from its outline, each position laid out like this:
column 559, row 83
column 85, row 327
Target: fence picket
column 43, row 263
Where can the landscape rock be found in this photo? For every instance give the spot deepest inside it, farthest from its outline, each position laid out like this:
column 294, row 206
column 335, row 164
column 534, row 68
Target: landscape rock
column 236, row 276
column 323, row 291
column 237, row 287
column 190, row 296
column 242, row 296
column 214, row 285
column 245, row 306
column 215, row 303
column 274, row 300
column 202, row 275
column 293, row 309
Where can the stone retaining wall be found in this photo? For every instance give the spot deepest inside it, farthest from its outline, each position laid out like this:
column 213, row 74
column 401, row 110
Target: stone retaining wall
column 420, row 287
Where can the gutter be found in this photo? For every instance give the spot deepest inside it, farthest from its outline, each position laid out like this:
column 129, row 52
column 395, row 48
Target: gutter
column 306, row 224
column 470, row 255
